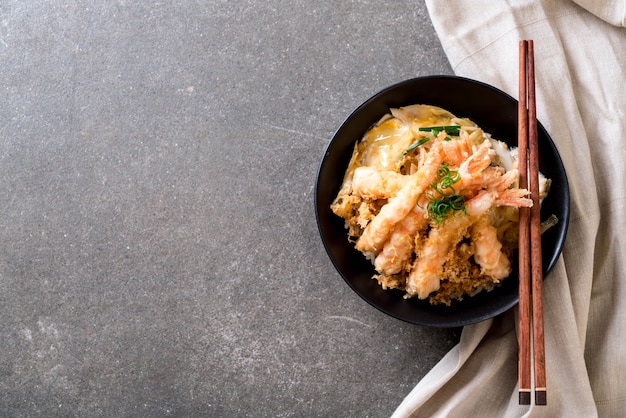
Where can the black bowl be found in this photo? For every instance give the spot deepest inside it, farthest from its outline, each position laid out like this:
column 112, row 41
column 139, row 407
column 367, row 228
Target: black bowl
column 492, row 110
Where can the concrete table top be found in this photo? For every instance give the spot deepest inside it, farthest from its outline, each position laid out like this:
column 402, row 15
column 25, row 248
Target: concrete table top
column 159, row 251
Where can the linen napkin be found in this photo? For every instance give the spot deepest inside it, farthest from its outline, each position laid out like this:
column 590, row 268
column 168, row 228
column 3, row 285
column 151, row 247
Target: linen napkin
column 580, row 61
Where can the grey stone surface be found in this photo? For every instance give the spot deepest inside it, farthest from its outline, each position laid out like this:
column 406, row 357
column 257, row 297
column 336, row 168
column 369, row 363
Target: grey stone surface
column 159, row 253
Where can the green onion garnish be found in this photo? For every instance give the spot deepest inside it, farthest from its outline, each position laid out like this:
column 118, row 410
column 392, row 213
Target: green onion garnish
column 453, row 130
column 445, row 200
column 416, row 144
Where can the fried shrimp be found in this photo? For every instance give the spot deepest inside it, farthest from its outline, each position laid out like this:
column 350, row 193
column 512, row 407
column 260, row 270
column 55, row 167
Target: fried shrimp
column 478, row 161
column 398, row 250
column 424, row 278
column 432, row 201
column 375, row 183
column 488, row 250
column 377, row 232
column 460, row 150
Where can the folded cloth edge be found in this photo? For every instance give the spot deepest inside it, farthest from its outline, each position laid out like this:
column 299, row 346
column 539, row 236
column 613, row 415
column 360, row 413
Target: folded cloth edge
column 611, row 11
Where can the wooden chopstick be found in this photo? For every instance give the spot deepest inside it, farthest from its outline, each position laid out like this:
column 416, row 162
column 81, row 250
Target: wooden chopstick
column 535, row 238
column 524, row 364
column 530, row 262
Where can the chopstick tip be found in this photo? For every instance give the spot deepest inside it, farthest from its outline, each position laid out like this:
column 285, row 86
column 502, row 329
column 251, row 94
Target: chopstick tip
column 524, row 398
column 541, row 397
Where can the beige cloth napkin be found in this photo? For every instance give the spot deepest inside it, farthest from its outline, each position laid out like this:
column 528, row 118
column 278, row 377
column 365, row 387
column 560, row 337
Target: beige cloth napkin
column 581, row 91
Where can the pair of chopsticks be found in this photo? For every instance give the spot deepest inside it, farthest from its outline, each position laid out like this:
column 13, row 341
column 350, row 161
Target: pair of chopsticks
column 530, row 268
